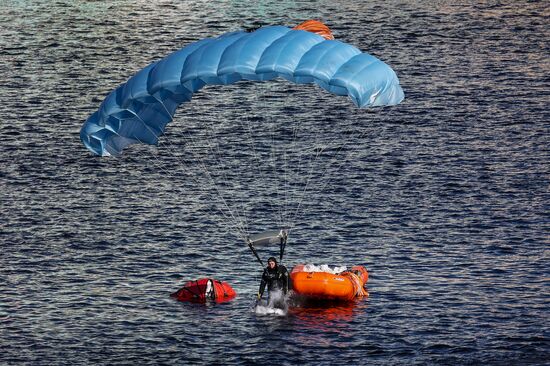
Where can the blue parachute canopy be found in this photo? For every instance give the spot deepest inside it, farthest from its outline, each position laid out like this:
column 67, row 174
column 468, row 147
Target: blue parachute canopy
column 139, row 110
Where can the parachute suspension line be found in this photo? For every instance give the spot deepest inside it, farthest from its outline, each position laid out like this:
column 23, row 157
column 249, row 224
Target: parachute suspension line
column 217, row 155
column 286, row 153
column 349, row 131
column 290, row 150
column 307, row 167
column 202, row 165
column 321, row 178
column 321, row 147
column 159, row 165
column 284, row 176
column 286, row 150
column 293, row 147
column 273, row 178
column 268, row 179
column 226, row 218
column 268, row 138
column 273, row 156
column 246, row 125
column 307, row 158
column 286, row 167
column 287, row 181
column 255, row 154
column 173, row 177
column 283, row 216
column 312, row 161
column 236, row 223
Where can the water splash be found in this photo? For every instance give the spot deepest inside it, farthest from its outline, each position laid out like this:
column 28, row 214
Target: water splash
column 276, row 304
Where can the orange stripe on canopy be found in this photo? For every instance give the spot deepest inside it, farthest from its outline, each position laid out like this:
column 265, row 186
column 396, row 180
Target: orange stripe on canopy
column 315, row 26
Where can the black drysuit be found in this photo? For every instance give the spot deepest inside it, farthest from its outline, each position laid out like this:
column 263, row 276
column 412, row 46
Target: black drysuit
column 275, row 279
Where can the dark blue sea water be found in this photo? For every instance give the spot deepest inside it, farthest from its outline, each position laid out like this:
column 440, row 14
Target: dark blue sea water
column 445, row 198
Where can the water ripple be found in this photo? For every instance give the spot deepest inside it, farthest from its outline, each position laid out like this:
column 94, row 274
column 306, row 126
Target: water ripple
column 445, row 199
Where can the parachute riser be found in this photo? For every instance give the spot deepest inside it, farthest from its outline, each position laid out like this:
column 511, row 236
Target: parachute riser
column 255, row 252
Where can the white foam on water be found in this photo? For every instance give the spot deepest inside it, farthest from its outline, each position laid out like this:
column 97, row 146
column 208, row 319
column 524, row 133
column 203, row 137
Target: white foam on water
column 310, row 267
column 275, row 297
column 266, row 310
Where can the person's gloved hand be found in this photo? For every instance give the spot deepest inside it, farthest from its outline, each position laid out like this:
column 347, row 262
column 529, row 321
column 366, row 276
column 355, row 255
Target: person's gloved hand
column 259, row 296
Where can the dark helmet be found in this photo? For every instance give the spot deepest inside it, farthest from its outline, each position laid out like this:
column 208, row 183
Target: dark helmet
column 272, row 259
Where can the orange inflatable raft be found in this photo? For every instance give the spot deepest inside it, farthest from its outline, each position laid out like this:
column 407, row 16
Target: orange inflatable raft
column 344, row 286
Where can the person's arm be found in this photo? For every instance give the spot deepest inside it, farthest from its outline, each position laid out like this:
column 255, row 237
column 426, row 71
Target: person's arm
column 262, row 286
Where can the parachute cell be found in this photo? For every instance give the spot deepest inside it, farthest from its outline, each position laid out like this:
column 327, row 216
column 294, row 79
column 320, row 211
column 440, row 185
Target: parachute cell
column 139, row 110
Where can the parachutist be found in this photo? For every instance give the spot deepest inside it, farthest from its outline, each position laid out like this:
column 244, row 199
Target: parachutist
column 276, row 278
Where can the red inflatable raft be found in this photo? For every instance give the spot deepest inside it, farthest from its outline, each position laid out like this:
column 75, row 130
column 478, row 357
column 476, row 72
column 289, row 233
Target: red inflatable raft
column 345, row 286
column 205, row 289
